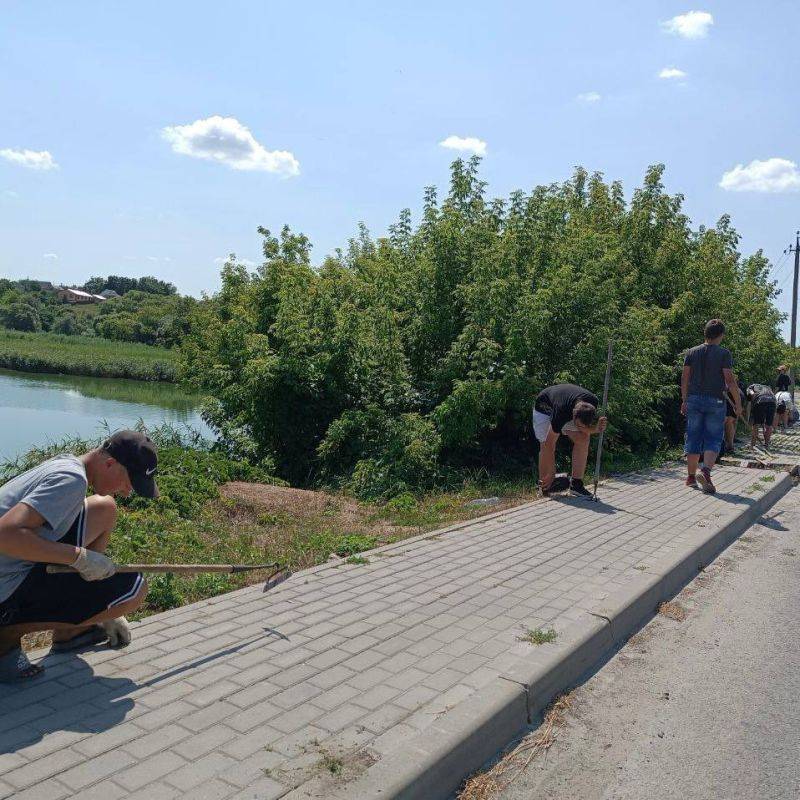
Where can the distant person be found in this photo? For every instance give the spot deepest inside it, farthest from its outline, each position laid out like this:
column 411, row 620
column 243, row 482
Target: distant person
column 571, row 410
column 731, row 417
column 707, row 370
column 783, row 382
column 783, row 404
column 762, row 415
column 46, row 518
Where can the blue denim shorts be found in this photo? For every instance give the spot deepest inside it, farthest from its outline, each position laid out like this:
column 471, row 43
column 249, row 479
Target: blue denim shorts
column 705, row 423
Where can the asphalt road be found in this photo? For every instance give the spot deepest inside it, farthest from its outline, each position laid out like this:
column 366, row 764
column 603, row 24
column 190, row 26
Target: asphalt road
column 703, row 709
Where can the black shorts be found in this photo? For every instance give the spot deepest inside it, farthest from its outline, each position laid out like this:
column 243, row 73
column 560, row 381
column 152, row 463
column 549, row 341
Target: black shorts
column 66, row 597
column 764, row 413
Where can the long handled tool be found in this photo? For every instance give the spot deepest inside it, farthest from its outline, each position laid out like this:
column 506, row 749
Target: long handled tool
column 278, row 575
column 603, row 413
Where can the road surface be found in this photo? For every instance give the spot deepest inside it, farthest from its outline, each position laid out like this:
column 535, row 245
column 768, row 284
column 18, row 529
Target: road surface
column 703, row 709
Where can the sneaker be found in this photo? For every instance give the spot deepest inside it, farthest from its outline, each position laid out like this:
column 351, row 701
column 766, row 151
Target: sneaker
column 691, row 481
column 559, row 484
column 577, row 489
column 704, row 479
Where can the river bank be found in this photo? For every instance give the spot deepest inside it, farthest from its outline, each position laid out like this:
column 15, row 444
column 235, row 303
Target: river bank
column 83, row 355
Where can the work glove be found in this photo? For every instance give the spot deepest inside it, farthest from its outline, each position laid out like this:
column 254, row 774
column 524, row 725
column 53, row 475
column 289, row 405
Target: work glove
column 119, row 632
column 93, row 566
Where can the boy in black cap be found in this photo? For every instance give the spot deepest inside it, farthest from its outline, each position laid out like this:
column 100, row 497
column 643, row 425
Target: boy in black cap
column 46, row 518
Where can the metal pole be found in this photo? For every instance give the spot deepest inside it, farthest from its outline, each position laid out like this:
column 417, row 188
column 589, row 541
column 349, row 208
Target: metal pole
column 794, row 303
column 605, row 407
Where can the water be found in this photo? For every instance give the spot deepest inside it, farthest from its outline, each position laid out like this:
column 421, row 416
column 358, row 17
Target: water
column 36, row 409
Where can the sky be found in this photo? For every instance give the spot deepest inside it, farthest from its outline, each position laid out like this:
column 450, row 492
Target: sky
column 154, row 138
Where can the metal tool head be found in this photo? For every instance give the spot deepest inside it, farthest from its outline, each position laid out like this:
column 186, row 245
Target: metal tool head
column 276, row 579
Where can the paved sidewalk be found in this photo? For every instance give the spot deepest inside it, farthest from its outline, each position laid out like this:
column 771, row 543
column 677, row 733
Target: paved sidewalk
column 250, row 695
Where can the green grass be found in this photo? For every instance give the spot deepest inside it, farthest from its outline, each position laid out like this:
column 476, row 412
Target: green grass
column 83, row 355
column 538, row 636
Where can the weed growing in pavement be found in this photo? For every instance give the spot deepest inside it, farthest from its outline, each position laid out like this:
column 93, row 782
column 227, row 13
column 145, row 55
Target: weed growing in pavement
column 357, row 560
column 332, row 764
column 538, row 636
column 767, row 478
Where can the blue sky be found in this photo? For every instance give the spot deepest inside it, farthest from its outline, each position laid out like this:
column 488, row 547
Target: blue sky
column 346, row 105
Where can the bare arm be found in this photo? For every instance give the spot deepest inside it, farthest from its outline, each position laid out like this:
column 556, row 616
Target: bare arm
column 685, row 378
column 733, row 388
column 19, row 539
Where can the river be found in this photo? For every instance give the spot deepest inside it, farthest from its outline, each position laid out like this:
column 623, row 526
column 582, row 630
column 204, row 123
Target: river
column 36, row 409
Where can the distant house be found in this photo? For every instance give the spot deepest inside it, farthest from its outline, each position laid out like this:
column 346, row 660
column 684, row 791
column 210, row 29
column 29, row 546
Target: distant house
column 108, row 294
column 45, row 286
column 78, row 297
column 99, row 298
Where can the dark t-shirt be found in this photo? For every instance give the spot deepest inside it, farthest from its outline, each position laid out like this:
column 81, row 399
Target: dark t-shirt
column 758, row 394
column 559, row 400
column 707, row 362
column 783, row 382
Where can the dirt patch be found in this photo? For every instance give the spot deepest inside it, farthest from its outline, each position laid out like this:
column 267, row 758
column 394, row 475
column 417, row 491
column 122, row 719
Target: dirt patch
column 672, row 610
column 281, row 499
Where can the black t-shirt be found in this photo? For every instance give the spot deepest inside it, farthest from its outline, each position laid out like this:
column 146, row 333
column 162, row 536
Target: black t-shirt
column 783, row 382
column 758, row 394
column 559, row 400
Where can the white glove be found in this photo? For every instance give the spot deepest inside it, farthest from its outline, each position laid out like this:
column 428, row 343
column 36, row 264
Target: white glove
column 93, row 566
column 119, row 632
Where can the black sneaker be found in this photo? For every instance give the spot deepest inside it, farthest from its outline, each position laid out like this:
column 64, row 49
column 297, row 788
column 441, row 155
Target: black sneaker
column 559, row 484
column 577, row 489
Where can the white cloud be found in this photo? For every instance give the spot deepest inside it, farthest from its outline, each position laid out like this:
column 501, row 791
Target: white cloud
column 33, row 159
column 245, row 262
column 153, row 258
column 467, row 144
column 772, row 175
column 589, row 97
column 691, row 25
column 10, row 193
column 669, row 73
column 52, row 256
column 227, row 141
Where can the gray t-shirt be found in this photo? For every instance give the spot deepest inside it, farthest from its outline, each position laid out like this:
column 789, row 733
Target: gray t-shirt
column 707, row 362
column 56, row 489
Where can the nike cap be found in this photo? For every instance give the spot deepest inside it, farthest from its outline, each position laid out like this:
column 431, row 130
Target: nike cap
column 139, row 455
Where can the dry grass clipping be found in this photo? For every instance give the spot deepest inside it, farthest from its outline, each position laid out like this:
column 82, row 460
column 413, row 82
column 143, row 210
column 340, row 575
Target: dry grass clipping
column 489, row 784
column 672, row 610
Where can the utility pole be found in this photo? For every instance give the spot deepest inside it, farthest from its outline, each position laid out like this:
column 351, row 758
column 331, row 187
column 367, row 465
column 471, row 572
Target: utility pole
column 796, row 251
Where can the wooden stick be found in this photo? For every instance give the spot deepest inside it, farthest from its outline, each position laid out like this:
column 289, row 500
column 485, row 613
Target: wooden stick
column 178, row 569
column 605, row 406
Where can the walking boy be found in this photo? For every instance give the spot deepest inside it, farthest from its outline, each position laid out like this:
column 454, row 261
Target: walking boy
column 763, row 406
column 571, row 410
column 707, row 370
column 46, row 518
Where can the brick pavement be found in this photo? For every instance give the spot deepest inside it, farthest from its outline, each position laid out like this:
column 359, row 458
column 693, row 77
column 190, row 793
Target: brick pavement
column 249, row 695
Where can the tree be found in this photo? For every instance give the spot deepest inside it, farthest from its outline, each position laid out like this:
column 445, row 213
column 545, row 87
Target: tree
column 21, row 317
column 405, row 357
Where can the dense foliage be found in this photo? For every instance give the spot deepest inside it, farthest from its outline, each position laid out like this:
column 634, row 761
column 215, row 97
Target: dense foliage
column 122, row 285
column 147, row 311
column 80, row 355
column 403, row 357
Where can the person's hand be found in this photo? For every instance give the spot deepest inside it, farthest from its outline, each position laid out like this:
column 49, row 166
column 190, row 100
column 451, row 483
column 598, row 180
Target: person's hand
column 93, row 566
column 602, row 424
column 119, row 632
column 684, row 408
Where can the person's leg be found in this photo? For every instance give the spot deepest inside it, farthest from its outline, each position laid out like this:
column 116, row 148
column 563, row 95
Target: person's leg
column 101, row 516
column 713, row 431
column 580, row 452
column 547, row 459
column 730, row 431
column 769, row 419
column 694, row 435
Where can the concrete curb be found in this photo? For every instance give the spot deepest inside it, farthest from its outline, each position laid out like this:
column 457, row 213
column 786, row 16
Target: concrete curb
column 433, row 764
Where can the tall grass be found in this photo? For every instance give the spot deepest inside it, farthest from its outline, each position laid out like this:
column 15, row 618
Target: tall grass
column 82, row 355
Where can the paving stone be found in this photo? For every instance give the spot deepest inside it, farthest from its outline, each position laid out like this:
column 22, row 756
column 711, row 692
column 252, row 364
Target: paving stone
column 151, row 769
column 97, row 768
column 199, row 770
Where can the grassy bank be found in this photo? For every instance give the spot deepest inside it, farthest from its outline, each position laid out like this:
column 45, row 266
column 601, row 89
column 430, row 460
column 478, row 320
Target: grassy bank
column 219, row 510
column 80, row 355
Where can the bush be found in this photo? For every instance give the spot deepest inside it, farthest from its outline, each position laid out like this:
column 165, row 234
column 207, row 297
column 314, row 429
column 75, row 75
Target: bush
column 398, row 360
